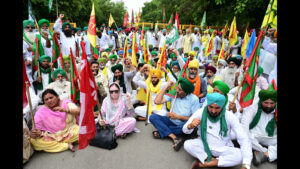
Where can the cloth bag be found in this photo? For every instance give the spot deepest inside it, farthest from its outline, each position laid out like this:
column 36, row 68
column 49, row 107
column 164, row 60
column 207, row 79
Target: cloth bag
column 105, row 138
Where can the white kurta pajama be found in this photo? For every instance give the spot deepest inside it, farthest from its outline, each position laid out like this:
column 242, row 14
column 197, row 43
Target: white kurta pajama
column 63, row 91
column 258, row 135
column 141, row 110
column 220, row 147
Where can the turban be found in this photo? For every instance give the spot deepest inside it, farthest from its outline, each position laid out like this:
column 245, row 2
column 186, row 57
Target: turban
column 155, row 72
column 42, row 58
column 213, row 69
column 110, row 32
column 206, row 31
column 164, row 30
column 239, row 57
column 193, row 53
column 193, row 63
column 59, row 71
column 155, row 48
column 119, row 29
column 267, row 94
column 42, row 21
column 173, row 56
column 78, row 29
column 129, row 50
column 27, row 22
column 117, row 67
column 186, row 85
column 104, row 53
column 64, row 25
column 127, row 30
column 260, row 71
column 222, row 61
column 120, row 51
column 215, row 57
column 196, row 48
column 107, row 49
column 150, row 45
column 175, row 62
column 235, row 60
column 66, row 58
column 85, row 28
column 223, row 87
column 186, row 54
column 102, row 59
column 215, row 98
column 196, row 29
column 113, row 56
column 154, row 53
column 179, row 49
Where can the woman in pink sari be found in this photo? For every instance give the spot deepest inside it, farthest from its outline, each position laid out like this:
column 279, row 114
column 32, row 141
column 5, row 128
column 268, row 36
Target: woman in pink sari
column 55, row 122
column 117, row 110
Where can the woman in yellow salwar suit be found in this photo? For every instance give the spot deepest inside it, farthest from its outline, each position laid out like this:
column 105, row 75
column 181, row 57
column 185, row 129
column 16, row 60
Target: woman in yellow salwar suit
column 55, row 123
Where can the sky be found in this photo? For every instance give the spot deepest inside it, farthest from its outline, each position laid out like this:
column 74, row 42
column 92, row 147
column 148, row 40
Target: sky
column 133, row 4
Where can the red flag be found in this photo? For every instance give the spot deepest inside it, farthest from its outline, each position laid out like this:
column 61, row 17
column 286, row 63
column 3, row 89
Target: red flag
column 74, row 77
column 25, row 79
column 56, row 52
column 88, row 99
column 125, row 22
column 177, row 20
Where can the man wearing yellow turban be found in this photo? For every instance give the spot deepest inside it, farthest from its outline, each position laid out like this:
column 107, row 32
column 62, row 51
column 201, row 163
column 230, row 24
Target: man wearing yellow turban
column 153, row 85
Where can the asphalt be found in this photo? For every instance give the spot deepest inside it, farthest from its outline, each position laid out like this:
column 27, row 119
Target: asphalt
column 137, row 151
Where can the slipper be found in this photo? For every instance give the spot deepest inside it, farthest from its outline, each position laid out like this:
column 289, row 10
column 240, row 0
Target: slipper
column 156, row 136
column 177, row 143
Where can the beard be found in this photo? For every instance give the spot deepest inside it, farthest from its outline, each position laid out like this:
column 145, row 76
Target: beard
column 231, row 70
column 213, row 115
column 155, row 82
column 45, row 30
column 61, row 83
column 127, row 69
column 68, row 33
column 268, row 110
column 210, row 77
column 102, row 67
column 30, row 35
column 192, row 75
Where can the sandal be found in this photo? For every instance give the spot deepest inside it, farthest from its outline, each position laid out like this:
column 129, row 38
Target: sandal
column 156, row 134
column 177, row 143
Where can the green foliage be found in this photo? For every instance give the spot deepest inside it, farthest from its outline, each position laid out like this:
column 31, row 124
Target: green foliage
column 77, row 11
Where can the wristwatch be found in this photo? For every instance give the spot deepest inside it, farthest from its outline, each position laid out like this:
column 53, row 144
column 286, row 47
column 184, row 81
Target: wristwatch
column 246, row 166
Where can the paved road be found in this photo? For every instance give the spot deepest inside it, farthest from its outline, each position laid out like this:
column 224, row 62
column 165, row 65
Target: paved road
column 137, row 151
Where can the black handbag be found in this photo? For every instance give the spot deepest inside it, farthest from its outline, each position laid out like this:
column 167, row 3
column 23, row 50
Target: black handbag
column 105, row 138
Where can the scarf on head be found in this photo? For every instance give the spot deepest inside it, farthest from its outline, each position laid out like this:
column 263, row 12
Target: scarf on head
column 150, row 89
column 203, row 128
column 40, row 85
column 197, row 83
column 270, row 128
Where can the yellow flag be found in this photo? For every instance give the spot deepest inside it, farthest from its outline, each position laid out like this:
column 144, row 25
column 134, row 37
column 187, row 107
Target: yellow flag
column 210, row 45
column 161, row 57
column 271, row 15
column 233, row 35
column 222, row 52
column 91, row 33
column 133, row 54
column 245, row 43
column 111, row 20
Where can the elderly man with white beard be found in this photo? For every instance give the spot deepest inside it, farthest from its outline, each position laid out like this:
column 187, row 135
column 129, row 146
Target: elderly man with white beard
column 66, row 38
column 231, row 73
column 45, row 36
column 28, row 40
column 221, row 66
column 60, row 85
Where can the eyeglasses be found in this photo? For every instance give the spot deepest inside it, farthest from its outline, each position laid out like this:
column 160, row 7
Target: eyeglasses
column 27, row 27
column 112, row 91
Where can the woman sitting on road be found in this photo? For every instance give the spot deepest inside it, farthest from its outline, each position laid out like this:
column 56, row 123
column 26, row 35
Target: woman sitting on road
column 117, row 111
column 55, row 122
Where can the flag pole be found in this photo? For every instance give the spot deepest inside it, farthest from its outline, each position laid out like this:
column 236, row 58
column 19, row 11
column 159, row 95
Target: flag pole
column 98, row 105
column 236, row 93
column 146, row 122
column 56, row 10
column 30, row 105
column 38, row 63
column 173, row 103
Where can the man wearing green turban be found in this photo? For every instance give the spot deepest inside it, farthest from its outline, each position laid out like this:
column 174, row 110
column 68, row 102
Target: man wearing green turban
column 46, row 34
column 260, row 121
column 186, row 103
column 213, row 146
column 66, row 38
column 46, row 74
column 61, row 86
column 28, row 40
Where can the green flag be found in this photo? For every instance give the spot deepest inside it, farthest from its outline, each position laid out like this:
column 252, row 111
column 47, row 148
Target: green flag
column 173, row 35
column 203, row 22
column 30, row 13
column 50, row 5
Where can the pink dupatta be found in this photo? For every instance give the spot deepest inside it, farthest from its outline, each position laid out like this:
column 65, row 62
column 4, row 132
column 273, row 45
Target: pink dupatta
column 51, row 121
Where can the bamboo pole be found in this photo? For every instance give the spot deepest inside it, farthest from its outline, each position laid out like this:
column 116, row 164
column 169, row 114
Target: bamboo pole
column 236, row 93
column 173, row 104
column 99, row 108
column 30, row 105
column 146, row 122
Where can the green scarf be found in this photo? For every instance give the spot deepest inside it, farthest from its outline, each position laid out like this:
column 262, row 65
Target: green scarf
column 50, row 32
column 270, row 128
column 203, row 128
column 40, row 85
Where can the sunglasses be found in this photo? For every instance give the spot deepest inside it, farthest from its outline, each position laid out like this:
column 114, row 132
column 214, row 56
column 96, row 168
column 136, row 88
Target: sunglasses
column 112, row 91
column 27, row 27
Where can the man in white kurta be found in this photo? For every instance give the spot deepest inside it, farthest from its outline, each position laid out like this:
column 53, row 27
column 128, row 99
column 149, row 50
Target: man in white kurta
column 257, row 121
column 141, row 110
column 61, row 86
column 219, row 146
column 229, row 73
column 197, row 38
column 67, row 40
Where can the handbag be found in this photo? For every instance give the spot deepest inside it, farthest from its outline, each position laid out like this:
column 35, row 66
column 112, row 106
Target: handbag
column 105, row 138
